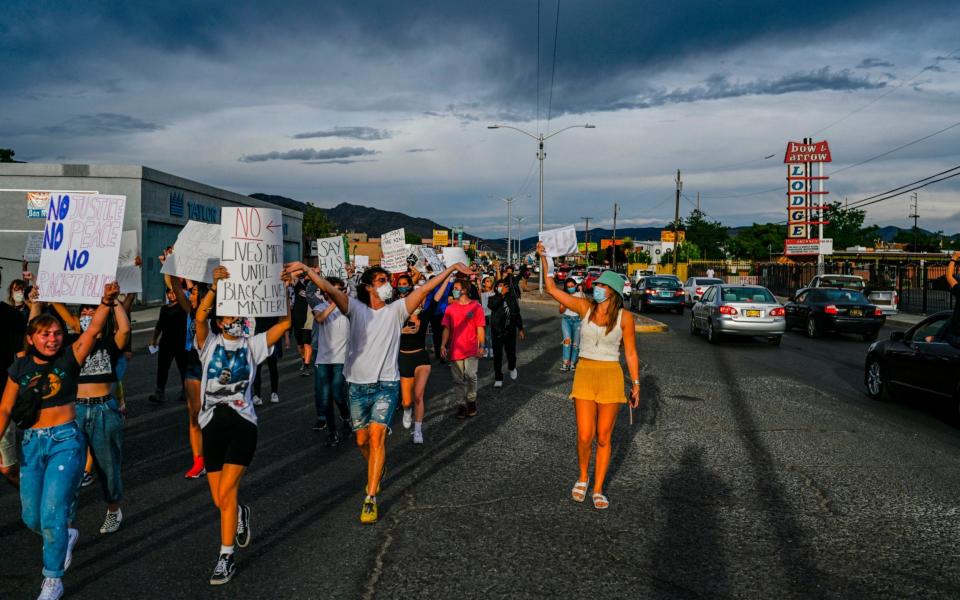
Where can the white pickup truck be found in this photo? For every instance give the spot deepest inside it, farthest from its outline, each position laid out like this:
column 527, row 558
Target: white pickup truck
column 885, row 300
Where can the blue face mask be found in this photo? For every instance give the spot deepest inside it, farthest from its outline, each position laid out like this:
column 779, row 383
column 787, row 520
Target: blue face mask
column 403, row 290
column 599, row 294
column 455, row 294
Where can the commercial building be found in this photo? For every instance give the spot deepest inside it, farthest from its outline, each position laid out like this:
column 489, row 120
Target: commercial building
column 158, row 206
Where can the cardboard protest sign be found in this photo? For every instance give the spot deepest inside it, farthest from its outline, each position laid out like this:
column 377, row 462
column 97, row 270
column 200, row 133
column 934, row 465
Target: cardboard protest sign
column 31, row 251
column 452, row 255
column 331, row 256
column 81, row 240
column 251, row 241
column 196, row 253
column 433, row 261
column 395, row 253
column 128, row 273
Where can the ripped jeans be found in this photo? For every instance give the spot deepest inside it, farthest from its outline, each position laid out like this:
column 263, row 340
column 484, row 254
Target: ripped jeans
column 570, row 326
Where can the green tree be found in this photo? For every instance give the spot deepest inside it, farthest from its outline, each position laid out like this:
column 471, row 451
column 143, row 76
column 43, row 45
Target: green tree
column 316, row 225
column 640, row 255
column 707, row 235
column 6, row 155
column 870, row 235
column 686, row 251
column 845, row 225
column 758, row 241
column 412, row 238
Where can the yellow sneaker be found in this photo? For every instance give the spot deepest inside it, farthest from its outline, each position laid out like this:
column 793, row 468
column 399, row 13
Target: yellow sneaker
column 368, row 514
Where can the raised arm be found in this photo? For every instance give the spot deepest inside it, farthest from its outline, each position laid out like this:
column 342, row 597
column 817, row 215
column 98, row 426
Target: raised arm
column 36, row 307
column 72, row 321
column 577, row 305
column 276, row 333
column 202, row 318
column 339, row 298
column 442, row 289
column 952, row 269
column 630, row 354
column 122, row 320
column 83, row 345
column 415, row 297
column 182, row 301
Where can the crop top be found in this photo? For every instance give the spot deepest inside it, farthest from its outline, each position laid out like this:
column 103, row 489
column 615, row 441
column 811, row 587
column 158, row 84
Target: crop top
column 413, row 335
column 60, row 388
column 597, row 344
column 101, row 363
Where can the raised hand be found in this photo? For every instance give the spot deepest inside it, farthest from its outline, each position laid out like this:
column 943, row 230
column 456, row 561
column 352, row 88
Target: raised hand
column 110, row 292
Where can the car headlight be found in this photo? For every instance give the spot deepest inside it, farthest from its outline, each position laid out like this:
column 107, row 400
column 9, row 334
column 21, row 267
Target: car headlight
column 872, row 347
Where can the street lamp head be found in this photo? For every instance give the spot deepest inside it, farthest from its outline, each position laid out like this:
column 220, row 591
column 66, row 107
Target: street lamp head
column 589, row 126
column 493, row 127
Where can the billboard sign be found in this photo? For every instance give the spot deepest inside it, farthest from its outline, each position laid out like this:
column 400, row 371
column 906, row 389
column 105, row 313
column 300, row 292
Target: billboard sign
column 441, row 237
column 667, row 235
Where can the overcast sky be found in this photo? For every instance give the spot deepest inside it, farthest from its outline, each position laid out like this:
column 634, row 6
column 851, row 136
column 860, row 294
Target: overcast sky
column 386, row 103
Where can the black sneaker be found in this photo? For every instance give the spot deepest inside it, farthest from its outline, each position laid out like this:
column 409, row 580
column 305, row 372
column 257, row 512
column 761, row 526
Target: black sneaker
column 347, row 428
column 87, row 479
column 320, row 425
column 223, row 572
column 243, row 525
column 157, row 397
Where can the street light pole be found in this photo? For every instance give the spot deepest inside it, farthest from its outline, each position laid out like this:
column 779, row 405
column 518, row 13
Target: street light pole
column 509, row 201
column 519, row 220
column 541, row 154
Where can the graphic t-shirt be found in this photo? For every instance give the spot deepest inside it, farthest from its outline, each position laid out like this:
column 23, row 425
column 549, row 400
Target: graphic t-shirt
column 229, row 367
column 101, row 363
column 60, row 388
column 374, row 342
column 463, row 321
column 332, row 336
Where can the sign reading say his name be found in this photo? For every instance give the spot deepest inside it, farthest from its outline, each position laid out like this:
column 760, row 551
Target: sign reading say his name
column 331, row 257
column 395, row 253
column 251, row 241
column 81, row 241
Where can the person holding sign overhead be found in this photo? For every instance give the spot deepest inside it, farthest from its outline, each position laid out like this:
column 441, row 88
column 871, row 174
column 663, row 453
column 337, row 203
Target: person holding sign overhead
column 598, row 384
column 227, row 417
column 371, row 367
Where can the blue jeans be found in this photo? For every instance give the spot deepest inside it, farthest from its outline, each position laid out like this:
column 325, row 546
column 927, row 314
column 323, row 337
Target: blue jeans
column 373, row 403
column 570, row 326
column 329, row 388
column 102, row 424
column 53, row 459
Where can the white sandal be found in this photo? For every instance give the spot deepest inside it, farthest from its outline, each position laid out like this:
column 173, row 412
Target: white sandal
column 579, row 492
column 600, row 501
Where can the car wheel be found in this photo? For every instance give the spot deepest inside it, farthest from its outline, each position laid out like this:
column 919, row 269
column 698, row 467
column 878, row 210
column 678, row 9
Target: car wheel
column 813, row 330
column 775, row 340
column 876, row 383
column 694, row 330
column 871, row 337
column 712, row 336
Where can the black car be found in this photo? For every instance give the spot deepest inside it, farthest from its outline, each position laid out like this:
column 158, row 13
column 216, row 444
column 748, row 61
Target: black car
column 658, row 292
column 924, row 359
column 823, row 310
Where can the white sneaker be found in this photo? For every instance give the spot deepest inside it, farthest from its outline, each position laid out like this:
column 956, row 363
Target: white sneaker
column 72, row 536
column 111, row 523
column 257, row 401
column 274, row 398
column 513, row 374
column 408, row 418
column 417, row 437
column 498, row 384
column 52, row 589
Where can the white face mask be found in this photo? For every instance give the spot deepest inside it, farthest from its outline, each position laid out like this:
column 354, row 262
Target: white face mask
column 18, row 297
column 385, row 292
column 85, row 321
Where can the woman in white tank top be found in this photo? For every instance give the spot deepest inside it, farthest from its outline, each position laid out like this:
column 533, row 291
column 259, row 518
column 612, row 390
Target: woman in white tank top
column 598, row 384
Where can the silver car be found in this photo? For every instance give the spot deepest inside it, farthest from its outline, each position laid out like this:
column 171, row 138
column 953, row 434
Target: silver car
column 695, row 286
column 743, row 310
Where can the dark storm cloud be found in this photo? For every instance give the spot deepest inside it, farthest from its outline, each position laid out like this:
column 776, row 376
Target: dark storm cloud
column 873, row 63
column 105, row 123
column 336, row 162
column 309, row 154
column 355, row 133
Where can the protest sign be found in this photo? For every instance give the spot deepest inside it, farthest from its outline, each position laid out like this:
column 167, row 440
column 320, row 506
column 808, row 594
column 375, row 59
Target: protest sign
column 196, row 253
column 433, row 261
column 31, row 251
column 251, row 241
column 559, row 242
column 360, row 261
column 128, row 273
column 331, row 256
column 452, row 255
column 394, row 248
column 81, row 241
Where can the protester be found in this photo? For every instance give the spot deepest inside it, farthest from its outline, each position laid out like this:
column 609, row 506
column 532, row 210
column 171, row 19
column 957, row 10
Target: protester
column 227, row 417
column 17, row 297
column 371, row 367
column 99, row 413
column 331, row 333
column 463, row 337
column 953, row 328
column 598, row 384
column 301, row 331
column 40, row 398
column 263, row 325
column 570, row 329
column 487, row 292
column 13, row 326
column 505, row 324
column 436, row 319
column 414, row 362
column 169, row 339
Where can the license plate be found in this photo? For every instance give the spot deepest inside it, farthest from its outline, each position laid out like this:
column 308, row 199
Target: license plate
column 666, row 294
column 753, row 313
column 856, row 312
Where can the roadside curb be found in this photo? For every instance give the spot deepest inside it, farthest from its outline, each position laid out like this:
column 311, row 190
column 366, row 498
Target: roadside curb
column 642, row 324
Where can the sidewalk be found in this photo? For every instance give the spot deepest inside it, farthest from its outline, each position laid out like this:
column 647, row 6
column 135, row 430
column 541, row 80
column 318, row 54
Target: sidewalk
column 642, row 324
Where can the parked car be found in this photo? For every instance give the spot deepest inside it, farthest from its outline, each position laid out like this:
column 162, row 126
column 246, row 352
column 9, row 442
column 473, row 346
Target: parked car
column 823, row 310
column 561, row 273
column 658, row 292
column 695, row 286
column 640, row 274
column 577, row 274
column 886, row 299
column 920, row 360
column 742, row 310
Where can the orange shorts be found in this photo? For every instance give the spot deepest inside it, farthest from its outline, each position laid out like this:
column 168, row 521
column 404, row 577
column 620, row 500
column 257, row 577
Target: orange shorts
column 599, row 380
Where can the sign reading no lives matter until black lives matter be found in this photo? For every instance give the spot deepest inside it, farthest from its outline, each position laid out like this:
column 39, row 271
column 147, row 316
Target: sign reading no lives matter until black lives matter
column 251, row 241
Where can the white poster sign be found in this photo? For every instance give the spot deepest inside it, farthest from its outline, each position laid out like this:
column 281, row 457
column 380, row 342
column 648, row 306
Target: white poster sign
column 31, row 251
column 81, row 241
column 128, row 273
column 452, row 255
column 331, row 256
column 559, row 242
column 394, row 249
column 433, row 261
column 196, row 253
column 251, row 239
column 360, row 261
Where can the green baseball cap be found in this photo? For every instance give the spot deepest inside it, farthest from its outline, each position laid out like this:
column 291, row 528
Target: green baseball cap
column 612, row 281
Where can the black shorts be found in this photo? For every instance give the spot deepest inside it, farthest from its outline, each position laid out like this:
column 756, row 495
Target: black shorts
column 408, row 363
column 303, row 336
column 228, row 439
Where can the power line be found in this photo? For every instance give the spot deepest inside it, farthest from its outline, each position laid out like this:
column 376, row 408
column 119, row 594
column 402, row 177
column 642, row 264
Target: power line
column 553, row 67
column 907, row 191
column 898, row 148
column 858, row 203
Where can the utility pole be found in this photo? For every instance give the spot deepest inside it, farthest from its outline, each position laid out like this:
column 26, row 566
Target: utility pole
column 676, row 224
column 613, row 252
column 509, row 201
column 586, row 238
column 698, row 201
column 915, row 215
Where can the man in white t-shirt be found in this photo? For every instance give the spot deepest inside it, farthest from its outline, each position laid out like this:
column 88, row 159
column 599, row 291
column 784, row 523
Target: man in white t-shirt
column 371, row 365
column 331, row 332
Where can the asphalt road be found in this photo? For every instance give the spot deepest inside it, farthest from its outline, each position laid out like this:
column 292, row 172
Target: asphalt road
column 751, row 472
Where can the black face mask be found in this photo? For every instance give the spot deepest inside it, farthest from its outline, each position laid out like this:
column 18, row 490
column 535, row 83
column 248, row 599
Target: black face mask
column 34, row 352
